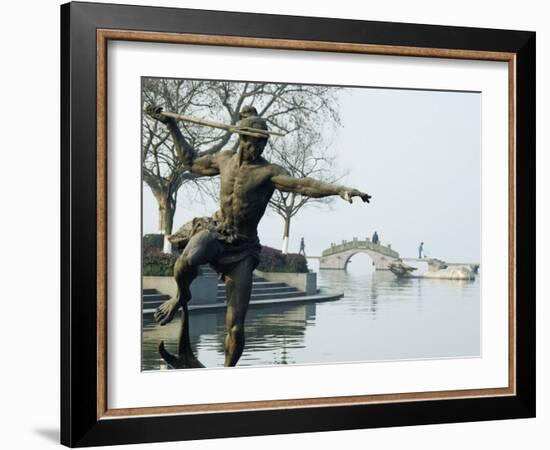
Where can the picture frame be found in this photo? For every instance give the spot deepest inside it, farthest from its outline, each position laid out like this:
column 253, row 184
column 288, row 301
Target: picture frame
column 86, row 418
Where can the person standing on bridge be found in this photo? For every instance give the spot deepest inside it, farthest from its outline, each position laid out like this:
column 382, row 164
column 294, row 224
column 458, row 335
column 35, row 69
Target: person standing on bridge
column 375, row 238
column 421, row 250
column 302, row 247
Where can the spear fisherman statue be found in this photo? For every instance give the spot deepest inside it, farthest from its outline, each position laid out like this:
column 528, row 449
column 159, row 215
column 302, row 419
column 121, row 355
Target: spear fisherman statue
column 228, row 240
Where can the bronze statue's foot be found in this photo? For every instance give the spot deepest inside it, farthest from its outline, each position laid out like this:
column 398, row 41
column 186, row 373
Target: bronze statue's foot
column 166, row 312
column 186, row 361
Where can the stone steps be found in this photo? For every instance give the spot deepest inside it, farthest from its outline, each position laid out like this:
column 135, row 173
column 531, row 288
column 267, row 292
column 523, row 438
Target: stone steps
column 154, row 300
column 269, row 296
column 317, row 298
column 261, row 291
column 274, row 290
column 259, row 284
column 262, row 288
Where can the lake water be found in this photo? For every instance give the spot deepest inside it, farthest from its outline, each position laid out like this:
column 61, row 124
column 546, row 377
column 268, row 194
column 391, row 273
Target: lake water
column 379, row 318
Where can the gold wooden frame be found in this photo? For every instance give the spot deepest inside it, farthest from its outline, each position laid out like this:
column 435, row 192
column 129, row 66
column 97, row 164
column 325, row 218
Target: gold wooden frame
column 104, row 35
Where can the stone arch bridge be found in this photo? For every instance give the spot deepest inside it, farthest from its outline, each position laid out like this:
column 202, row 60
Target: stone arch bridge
column 338, row 255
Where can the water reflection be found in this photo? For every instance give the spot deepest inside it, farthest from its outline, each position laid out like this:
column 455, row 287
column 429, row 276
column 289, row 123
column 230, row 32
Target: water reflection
column 379, row 318
column 272, row 333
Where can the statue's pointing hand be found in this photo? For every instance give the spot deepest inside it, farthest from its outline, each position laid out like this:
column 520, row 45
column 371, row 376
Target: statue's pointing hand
column 155, row 113
column 348, row 195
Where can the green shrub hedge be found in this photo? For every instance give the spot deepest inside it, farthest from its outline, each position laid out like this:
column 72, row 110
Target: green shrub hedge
column 156, row 263
column 159, row 264
column 153, row 243
column 273, row 260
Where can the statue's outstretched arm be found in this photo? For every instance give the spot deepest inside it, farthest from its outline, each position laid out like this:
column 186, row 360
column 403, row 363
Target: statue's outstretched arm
column 201, row 165
column 310, row 187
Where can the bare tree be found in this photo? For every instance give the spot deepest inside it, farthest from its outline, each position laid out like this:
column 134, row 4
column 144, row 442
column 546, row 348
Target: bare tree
column 161, row 169
column 286, row 108
column 303, row 154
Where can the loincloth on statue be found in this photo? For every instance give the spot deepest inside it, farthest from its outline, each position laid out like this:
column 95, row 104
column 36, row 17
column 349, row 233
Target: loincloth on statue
column 233, row 246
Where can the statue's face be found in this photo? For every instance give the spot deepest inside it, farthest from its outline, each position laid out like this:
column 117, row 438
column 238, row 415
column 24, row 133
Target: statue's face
column 251, row 147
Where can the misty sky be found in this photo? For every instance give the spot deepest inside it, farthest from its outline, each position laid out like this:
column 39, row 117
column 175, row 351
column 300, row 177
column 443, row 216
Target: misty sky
column 418, row 153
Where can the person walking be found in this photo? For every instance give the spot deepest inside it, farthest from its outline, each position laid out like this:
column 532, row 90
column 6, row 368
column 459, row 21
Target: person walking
column 302, row 247
column 421, row 250
column 375, row 238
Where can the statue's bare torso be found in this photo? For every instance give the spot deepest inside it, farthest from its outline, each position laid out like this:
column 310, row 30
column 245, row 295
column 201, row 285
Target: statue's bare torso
column 245, row 191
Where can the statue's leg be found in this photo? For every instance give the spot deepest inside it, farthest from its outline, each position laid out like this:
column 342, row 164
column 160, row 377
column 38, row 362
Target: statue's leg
column 202, row 248
column 238, row 285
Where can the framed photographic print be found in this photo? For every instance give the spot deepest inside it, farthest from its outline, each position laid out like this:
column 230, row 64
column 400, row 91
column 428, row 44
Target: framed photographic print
column 277, row 224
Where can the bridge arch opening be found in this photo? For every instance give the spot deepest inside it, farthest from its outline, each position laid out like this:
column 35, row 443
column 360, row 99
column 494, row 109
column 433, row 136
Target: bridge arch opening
column 360, row 263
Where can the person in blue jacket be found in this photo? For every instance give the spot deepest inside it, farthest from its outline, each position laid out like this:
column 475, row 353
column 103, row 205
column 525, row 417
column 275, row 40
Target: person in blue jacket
column 421, row 250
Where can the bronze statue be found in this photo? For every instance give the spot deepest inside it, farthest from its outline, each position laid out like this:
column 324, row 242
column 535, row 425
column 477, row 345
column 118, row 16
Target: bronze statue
column 228, row 241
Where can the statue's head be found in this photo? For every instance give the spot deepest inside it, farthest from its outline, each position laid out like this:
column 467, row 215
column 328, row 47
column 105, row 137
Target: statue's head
column 252, row 147
column 248, row 111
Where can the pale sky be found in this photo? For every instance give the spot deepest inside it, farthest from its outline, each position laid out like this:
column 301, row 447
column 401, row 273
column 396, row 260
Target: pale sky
column 418, row 153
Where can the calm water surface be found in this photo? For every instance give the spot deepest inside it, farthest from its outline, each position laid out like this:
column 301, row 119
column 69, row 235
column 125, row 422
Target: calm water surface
column 379, row 318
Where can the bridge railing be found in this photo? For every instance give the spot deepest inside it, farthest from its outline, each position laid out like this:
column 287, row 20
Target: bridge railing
column 360, row 245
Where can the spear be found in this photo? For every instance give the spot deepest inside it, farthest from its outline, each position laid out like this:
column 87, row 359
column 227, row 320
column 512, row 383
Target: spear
column 247, row 131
